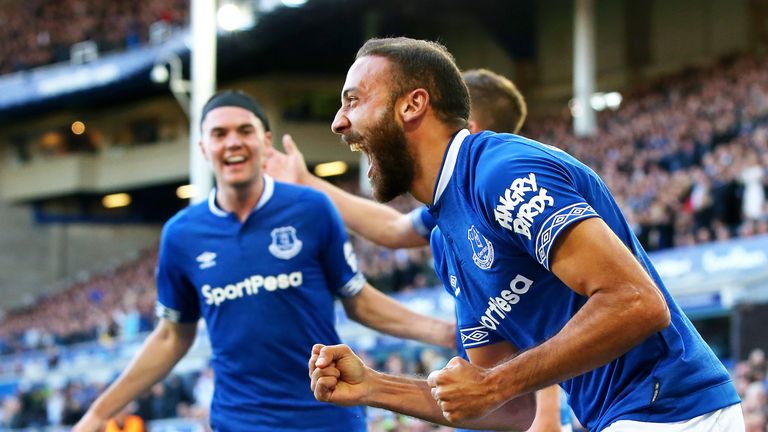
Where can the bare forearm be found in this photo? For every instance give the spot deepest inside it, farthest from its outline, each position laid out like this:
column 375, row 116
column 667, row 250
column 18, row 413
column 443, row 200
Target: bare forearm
column 413, row 397
column 154, row 361
column 417, row 327
column 376, row 222
column 606, row 327
column 380, row 312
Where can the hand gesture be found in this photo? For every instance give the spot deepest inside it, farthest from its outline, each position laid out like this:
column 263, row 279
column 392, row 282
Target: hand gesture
column 288, row 167
column 338, row 375
column 463, row 391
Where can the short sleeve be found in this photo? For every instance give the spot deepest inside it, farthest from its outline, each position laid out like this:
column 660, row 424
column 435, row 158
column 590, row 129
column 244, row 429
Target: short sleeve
column 337, row 255
column 472, row 333
column 532, row 199
column 177, row 299
column 422, row 221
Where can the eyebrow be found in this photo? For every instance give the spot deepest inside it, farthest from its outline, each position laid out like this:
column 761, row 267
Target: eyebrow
column 238, row 127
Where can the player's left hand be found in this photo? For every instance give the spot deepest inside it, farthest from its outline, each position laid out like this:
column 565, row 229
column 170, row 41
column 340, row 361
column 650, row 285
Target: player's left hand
column 463, row 391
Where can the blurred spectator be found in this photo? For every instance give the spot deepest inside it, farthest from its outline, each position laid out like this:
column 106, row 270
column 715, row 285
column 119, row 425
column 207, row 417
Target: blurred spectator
column 37, row 32
column 11, row 414
column 687, row 161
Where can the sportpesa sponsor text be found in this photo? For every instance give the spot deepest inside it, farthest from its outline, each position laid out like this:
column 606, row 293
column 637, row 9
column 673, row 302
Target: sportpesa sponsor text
column 251, row 286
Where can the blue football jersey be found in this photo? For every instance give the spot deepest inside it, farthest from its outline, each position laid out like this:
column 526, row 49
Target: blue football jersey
column 500, row 203
column 266, row 290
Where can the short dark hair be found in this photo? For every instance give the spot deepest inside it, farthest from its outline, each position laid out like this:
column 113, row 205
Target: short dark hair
column 235, row 98
column 427, row 65
column 497, row 104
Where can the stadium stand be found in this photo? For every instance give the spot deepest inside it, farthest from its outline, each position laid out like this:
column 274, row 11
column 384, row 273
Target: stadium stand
column 36, row 33
column 694, row 172
column 687, row 156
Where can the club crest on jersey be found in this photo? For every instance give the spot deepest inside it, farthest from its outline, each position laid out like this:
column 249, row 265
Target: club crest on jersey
column 285, row 245
column 482, row 249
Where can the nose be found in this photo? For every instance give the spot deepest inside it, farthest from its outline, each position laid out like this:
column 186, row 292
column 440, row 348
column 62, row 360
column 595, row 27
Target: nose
column 340, row 123
column 233, row 139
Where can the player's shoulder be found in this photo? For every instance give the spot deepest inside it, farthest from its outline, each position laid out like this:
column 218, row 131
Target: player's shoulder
column 186, row 216
column 183, row 223
column 499, row 157
column 504, row 148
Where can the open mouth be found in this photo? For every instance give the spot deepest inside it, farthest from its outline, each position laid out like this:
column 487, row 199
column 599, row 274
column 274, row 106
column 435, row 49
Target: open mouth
column 234, row 160
column 356, row 146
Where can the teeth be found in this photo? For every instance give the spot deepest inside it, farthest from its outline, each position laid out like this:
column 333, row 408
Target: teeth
column 355, row 147
column 235, row 159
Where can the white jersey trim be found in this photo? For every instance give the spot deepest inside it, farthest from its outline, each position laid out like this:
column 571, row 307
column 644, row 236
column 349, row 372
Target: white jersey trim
column 418, row 223
column 449, row 164
column 266, row 195
column 353, row 286
column 166, row 313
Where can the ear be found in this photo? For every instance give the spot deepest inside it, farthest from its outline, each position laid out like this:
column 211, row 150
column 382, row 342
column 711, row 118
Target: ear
column 473, row 126
column 267, row 140
column 414, row 105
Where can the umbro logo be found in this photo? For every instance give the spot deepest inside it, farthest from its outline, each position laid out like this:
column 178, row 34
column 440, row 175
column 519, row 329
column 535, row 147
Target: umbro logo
column 474, row 336
column 206, row 260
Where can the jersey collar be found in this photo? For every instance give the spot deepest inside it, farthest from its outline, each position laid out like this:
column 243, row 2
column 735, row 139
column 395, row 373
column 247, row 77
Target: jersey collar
column 269, row 189
column 449, row 163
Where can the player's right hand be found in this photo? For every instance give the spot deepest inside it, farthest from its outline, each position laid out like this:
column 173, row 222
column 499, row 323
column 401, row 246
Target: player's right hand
column 288, row 167
column 90, row 423
column 338, row 375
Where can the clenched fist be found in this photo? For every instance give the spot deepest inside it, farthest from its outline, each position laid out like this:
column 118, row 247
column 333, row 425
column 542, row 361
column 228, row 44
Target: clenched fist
column 338, row 375
column 463, row 391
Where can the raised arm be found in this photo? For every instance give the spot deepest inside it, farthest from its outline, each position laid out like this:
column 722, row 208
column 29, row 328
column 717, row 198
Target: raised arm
column 164, row 347
column 380, row 312
column 339, row 377
column 376, row 222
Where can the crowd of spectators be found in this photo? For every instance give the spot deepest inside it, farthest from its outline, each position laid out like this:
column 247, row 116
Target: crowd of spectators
column 117, row 302
column 180, row 396
column 686, row 159
column 749, row 376
column 38, row 32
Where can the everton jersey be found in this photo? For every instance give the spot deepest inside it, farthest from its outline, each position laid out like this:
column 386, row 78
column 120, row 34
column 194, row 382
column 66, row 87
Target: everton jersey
column 265, row 288
column 501, row 202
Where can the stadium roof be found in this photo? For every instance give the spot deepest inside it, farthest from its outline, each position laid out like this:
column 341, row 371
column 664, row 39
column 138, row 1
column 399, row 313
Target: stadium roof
column 319, row 38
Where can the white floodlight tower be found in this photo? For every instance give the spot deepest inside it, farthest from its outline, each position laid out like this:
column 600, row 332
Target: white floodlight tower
column 584, row 118
column 203, row 84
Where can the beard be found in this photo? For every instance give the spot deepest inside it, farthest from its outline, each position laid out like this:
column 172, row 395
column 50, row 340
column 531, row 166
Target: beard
column 393, row 166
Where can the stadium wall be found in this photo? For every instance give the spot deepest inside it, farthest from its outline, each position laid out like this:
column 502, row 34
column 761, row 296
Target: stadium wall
column 37, row 259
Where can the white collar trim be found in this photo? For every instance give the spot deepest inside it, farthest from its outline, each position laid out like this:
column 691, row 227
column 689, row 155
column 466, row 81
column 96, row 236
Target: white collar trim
column 269, row 190
column 449, row 164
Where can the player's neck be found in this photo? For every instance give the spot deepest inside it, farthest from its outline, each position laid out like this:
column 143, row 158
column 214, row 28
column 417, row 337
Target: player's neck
column 240, row 199
column 428, row 145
